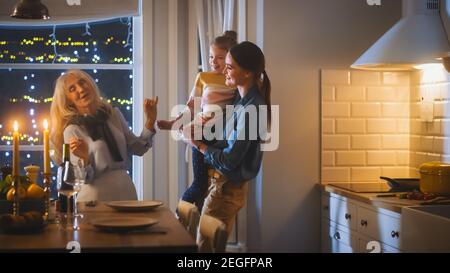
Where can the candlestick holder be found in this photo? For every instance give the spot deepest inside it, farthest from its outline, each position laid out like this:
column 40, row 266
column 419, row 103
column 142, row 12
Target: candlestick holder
column 16, row 200
column 47, row 191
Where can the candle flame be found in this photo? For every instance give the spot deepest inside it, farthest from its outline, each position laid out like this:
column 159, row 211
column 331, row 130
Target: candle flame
column 45, row 124
column 16, row 126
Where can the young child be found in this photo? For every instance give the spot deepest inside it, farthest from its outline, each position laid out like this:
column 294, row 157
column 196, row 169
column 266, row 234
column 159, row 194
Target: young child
column 210, row 88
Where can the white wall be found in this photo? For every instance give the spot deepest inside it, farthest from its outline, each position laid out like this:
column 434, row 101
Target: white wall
column 300, row 38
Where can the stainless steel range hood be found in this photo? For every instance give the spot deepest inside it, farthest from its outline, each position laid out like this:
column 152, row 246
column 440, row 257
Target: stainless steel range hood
column 419, row 38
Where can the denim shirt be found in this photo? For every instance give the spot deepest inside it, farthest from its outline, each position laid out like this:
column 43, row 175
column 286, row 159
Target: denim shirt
column 238, row 156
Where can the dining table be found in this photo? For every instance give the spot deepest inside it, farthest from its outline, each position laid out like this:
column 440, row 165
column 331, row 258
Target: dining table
column 166, row 235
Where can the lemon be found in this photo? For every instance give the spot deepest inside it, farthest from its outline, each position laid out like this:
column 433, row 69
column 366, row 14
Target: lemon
column 35, row 192
column 10, row 194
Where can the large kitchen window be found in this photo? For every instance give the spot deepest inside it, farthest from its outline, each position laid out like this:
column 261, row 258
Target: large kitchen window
column 31, row 59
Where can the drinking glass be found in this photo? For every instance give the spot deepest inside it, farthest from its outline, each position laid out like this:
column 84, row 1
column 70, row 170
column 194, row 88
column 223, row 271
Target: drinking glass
column 69, row 181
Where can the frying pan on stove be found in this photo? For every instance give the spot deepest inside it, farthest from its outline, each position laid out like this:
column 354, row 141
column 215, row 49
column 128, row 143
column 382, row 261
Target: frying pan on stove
column 402, row 184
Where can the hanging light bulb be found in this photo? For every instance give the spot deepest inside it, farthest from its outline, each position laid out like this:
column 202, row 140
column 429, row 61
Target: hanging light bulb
column 446, row 62
column 30, row 9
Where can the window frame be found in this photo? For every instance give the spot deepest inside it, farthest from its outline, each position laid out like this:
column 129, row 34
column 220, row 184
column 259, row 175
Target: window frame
column 137, row 93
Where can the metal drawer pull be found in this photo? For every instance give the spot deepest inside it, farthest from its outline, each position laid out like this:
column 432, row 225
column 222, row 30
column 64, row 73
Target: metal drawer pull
column 337, row 236
column 364, row 223
column 395, row 234
column 348, row 216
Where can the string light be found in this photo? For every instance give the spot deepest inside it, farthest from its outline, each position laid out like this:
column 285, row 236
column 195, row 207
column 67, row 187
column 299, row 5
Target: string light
column 58, row 48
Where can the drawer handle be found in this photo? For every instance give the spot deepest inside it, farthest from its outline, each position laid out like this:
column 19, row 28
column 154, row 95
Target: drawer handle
column 348, row 216
column 395, row 234
column 364, row 223
column 337, row 236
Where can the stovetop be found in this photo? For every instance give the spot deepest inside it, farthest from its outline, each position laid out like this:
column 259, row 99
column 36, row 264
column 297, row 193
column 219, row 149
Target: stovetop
column 374, row 187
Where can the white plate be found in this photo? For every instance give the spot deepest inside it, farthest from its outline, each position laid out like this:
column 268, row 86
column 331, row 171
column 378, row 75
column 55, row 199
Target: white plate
column 123, row 223
column 131, row 206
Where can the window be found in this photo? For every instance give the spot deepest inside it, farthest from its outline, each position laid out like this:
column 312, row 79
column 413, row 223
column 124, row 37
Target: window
column 32, row 58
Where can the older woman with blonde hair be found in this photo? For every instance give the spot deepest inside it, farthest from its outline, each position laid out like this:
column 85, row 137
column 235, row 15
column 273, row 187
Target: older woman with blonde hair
column 98, row 135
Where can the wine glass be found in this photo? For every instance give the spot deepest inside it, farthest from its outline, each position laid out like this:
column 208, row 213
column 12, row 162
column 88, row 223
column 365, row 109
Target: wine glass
column 70, row 178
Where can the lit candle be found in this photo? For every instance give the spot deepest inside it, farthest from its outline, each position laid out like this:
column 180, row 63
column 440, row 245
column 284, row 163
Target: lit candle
column 16, row 154
column 46, row 149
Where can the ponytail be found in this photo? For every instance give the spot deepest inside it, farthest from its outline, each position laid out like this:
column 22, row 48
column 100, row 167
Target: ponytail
column 265, row 90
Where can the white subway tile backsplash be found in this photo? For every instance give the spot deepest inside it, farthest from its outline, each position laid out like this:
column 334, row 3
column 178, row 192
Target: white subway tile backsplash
column 328, row 159
column 403, row 158
column 396, row 78
column 366, row 174
column 335, row 109
column 433, row 128
column 415, row 95
column 350, row 93
column 350, row 158
column 371, row 123
column 445, row 91
column 381, row 94
column 366, row 109
column 414, row 111
column 395, row 109
column 445, row 127
column 403, row 126
column 335, row 77
column 388, row 94
column 417, row 126
column 344, row 126
column 441, row 109
column 366, row 142
column 404, row 94
column 395, row 171
column 328, row 93
column 395, row 142
column 381, row 126
column 365, row 78
column 328, row 126
column 414, row 142
column 433, row 157
column 381, row 158
column 335, row 142
column 426, row 144
column 335, row 174
column 441, row 145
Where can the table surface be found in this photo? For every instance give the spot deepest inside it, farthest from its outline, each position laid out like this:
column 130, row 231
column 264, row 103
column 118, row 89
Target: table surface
column 168, row 235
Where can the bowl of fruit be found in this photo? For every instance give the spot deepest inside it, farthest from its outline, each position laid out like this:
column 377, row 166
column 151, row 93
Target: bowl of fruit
column 27, row 222
column 31, row 195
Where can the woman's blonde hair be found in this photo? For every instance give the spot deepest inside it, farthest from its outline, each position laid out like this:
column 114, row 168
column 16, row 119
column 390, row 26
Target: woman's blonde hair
column 62, row 110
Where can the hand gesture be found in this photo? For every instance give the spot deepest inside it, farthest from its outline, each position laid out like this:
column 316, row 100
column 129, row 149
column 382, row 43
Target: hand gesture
column 79, row 148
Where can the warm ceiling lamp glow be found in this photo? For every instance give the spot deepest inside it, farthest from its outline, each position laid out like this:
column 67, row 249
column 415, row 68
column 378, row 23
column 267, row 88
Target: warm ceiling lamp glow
column 30, row 9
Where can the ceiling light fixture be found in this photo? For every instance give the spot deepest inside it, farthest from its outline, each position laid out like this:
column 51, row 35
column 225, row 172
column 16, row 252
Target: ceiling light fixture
column 30, row 9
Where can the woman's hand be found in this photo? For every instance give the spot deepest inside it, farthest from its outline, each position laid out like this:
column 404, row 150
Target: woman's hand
column 188, row 138
column 79, row 148
column 150, row 110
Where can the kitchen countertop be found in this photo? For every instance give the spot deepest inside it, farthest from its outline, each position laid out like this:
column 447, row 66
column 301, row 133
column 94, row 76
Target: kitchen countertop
column 390, row 203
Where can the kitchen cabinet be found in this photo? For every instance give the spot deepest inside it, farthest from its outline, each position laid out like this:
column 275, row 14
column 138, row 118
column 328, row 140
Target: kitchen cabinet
column 350, row 226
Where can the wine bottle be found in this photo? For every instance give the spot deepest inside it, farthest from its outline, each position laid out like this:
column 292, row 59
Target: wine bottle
column 65, row 174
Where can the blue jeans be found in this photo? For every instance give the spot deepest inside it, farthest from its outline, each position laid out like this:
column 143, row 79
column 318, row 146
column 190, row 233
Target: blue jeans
column 197, row 191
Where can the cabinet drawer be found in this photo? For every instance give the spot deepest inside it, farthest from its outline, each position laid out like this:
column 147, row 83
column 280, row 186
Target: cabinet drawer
column 381, row 227
column 342, row 212
column 337, row 239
